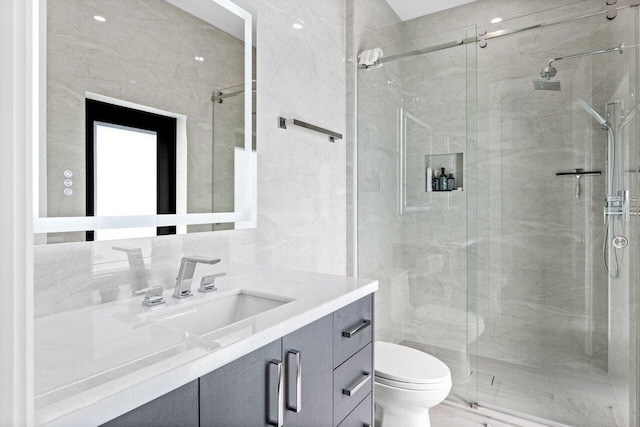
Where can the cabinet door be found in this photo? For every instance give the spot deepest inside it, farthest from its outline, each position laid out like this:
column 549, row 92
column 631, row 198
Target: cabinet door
column 244, row 392
column 308, row 397
column 176, row 408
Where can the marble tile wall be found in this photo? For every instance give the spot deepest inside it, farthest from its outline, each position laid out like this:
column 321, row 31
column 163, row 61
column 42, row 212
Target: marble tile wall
column 432, row 246
column 544, row 295
column 301, row 177
column 372, row 23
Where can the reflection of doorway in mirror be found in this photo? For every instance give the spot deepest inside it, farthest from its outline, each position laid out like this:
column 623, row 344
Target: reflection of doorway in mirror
column 131, row 165
column 125, row 184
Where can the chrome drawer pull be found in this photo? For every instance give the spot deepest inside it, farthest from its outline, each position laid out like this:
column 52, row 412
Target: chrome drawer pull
column 275, row 367
column 361, row 327
column 294, row 391
column 353, row 389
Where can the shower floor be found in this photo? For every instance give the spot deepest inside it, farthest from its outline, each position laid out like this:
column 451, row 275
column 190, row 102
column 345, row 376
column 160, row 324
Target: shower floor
column 565, row 399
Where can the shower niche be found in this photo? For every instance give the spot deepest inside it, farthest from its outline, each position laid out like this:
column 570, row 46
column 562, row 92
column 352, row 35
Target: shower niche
column 452, row 164
column 420, row 149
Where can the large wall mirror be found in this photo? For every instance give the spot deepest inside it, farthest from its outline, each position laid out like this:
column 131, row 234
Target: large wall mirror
column 147, row 118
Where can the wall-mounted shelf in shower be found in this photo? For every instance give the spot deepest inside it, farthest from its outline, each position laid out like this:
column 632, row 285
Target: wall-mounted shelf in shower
column 451, row 162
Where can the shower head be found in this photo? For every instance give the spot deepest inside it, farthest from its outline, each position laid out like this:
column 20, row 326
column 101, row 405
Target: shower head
column 589, row 109
column 542, row 84
column 545, row 83
column 548, row 72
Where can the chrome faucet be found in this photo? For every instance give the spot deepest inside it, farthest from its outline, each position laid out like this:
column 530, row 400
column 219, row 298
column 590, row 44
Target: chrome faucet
column 185, row 275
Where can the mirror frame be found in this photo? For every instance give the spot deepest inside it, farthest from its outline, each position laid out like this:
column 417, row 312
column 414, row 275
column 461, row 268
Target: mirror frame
column 244, row 215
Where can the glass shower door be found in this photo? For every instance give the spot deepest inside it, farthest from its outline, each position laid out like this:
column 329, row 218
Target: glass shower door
column 557, row 332
column 416, row 114
column 504, row 279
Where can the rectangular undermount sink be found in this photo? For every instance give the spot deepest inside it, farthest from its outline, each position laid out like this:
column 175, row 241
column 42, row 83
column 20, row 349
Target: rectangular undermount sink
column 205, row 318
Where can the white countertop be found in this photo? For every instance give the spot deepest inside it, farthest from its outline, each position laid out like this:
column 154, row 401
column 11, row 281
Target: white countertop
column 99, row 362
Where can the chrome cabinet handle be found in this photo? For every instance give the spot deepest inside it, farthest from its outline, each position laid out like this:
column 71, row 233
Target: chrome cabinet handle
column 357, row 385
column 275, row 415
column 361, row 327
column 294, row 389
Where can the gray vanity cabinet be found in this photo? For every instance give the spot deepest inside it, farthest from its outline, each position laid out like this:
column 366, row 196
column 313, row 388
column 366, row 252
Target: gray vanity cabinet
column 176, row 408
column 243, row 392
column 318, row 375
column 309, row 352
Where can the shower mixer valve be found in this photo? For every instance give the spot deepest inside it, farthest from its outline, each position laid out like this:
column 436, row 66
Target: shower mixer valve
column 618, row 205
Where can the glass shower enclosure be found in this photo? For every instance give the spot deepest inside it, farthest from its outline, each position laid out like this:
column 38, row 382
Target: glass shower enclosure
column 524, row 278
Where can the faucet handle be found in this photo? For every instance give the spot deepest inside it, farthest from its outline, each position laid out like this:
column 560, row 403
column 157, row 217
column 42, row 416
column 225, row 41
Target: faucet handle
column 207, row 284
column 200, row 259
column 152, row 295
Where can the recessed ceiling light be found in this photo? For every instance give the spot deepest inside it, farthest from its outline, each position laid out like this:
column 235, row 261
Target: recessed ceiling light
column 496, row 20
column 297, row 26
column 199, row 58
column 99, row 18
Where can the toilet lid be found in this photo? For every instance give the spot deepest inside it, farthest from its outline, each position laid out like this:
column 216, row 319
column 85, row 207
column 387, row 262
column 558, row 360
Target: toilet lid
column 406, row 364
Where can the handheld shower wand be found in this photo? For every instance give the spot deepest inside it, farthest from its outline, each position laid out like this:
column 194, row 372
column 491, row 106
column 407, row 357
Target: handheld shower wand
column 589, row 109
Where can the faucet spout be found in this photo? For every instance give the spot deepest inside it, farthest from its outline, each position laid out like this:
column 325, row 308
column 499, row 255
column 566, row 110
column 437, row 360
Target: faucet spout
column 185, row 275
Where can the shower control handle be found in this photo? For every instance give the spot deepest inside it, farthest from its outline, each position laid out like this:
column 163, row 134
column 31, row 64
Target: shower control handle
column 618, row 205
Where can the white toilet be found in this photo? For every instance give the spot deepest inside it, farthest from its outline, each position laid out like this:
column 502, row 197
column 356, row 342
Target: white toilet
column 408, row 382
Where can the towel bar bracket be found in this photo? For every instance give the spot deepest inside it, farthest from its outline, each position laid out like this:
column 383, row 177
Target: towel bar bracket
column 283, row 123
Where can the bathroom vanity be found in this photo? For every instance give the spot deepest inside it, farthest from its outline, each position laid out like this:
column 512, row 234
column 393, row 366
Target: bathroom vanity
column 271, row 347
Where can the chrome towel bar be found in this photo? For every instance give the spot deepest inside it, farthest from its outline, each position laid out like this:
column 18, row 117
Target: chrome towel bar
column 283, row 123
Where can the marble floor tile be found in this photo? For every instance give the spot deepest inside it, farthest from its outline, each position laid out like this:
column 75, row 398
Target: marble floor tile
column 449, row 414
column 562, row 399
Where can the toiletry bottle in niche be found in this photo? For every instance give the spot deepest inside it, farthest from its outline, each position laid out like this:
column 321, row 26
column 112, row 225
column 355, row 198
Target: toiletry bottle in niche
column 435, row 183
column 429, row 180
column 451, row 182
column 443, row 181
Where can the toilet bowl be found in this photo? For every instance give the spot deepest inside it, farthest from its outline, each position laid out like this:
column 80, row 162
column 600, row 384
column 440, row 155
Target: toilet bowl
column 408, row 382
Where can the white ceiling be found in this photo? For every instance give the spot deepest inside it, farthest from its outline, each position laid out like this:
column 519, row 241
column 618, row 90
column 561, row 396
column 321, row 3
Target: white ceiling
column 409, row 9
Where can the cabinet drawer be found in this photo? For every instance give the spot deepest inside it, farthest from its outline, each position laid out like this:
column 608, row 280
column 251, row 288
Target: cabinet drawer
column 352, row 329
column 352, row 381
column 361, row 416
